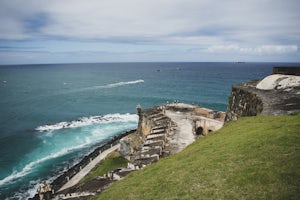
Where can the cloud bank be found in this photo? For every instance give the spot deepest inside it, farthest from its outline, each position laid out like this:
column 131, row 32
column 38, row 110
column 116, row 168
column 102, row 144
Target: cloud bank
column 268, row 27
column 264, row 49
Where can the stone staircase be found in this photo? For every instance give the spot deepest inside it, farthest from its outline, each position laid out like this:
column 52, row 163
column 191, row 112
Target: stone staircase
column 156, row 144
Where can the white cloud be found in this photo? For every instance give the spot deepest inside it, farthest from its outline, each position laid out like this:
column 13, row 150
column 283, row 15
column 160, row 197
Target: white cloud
column 114, row 18
column 155, row 24
column 156, row 18
column 258, row 50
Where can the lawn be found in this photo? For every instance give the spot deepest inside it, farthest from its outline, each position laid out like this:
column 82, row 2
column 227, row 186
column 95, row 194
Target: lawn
column 112, row 161
column 252, row 158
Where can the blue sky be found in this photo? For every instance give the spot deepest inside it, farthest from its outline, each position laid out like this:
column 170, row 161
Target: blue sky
column 72, row 31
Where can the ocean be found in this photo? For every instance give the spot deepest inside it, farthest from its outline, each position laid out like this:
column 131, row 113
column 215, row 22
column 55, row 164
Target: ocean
column 51, row 116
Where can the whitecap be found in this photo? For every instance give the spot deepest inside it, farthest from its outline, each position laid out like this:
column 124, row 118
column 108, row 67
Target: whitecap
column 85, row 121
column 123, row 83
column 107, row 86
column 112, row 85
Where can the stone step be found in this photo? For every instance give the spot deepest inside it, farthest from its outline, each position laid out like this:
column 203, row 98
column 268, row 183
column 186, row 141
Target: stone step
column 153, row 143
column 156, row 137
column 144, row 161
column 159, row 131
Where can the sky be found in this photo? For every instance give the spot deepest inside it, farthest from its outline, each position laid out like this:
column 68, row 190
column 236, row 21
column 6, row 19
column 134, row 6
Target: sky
column 78, row 31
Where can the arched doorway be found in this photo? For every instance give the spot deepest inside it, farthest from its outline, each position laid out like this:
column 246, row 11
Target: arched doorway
column 199, row 131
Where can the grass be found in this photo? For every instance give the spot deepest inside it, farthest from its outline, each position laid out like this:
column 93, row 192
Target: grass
column 112, row 161
column 252, row 158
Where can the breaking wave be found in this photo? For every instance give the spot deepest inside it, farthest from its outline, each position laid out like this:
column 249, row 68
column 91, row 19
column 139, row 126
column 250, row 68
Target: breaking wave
column 85, row 121
column 111, row 85
column 28, row 168
column 120, row 84
column 87, row 141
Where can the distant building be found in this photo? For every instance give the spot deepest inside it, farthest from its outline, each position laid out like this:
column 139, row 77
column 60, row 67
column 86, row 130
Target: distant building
column 287, row 70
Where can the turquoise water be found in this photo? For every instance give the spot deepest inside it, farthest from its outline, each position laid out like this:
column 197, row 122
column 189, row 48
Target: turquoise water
column 53, row 115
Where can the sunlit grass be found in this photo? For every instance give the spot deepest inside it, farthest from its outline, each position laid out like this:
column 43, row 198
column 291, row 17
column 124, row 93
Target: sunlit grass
column 252, row 158
column 112, row 161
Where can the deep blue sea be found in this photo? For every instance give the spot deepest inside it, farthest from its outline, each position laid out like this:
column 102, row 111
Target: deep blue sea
column 53, row 115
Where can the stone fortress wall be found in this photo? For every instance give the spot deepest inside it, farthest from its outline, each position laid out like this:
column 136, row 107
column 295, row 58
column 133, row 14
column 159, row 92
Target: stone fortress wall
column 276, row 94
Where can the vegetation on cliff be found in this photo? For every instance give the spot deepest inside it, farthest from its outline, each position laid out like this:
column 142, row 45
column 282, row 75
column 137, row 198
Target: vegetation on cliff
column 112, row 161
column 252, row 158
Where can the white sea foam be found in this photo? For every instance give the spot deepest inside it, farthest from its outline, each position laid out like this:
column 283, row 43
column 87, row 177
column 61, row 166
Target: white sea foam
column 119, row 84
column 31, row 191
column 85, row 121
column 107, row 86
column 29, row 167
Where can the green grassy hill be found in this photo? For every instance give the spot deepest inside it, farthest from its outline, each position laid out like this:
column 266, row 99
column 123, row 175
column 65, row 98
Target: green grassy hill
column 252, row 158
column 112, row 161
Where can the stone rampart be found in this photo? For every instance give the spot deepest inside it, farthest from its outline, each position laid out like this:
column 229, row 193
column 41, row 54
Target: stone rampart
column 243, row 102
column 274, row 95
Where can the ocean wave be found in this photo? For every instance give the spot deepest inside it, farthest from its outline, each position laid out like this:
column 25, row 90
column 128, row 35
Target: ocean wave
column 34, row 165
column 29, row 167
column 120, row 84
column 85, row 121
column 31, row 190
column 107, row 86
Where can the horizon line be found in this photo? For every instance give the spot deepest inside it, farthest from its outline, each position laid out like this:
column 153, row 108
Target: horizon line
column 124, row 62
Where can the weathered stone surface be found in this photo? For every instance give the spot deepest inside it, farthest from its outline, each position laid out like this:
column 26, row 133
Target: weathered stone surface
column 125, row 148
column 169, row 128
column 147, row 160
column 130, row 144
column 158, row 131
column 151, row 151
column 246, row 100
column 279, row 81
column 156, row 137
column 243, row 102
column 153, row 143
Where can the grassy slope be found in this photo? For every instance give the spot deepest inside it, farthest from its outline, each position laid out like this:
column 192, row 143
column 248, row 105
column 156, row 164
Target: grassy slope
column 253, row 158
column 111, row 162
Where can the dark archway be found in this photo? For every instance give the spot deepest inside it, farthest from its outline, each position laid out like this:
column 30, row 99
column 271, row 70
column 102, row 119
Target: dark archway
column 199, row 131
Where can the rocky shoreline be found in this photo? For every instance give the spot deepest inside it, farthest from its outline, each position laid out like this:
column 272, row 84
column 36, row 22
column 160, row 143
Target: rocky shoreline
column 67, row 175
column 161, row 131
